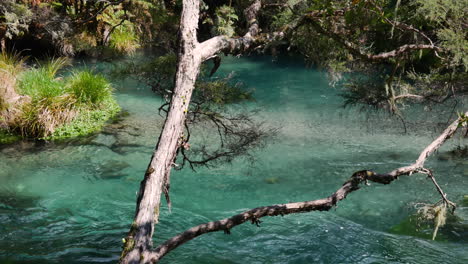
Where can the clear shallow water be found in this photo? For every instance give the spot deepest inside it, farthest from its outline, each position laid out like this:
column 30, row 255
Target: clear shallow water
column 73, row 202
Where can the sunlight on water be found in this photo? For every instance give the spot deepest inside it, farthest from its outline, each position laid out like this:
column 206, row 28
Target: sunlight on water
column 73, row 202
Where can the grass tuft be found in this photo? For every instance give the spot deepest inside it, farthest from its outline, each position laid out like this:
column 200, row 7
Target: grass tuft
column 11, row 63
column 88, row 87
column 49, row 106
column 124, row 39
column 39, row 84
column 53, row 66
column 40, row 119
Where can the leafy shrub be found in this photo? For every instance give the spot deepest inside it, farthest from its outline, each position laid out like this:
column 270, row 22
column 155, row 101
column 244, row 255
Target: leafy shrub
column 15, row 17
column 225, row 19
column 88, row 87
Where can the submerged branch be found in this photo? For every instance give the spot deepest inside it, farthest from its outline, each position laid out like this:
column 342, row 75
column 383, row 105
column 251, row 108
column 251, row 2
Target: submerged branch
column 324, row 204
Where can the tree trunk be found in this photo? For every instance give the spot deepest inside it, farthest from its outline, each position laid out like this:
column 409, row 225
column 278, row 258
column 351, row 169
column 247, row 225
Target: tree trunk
column 138, row 241
column 137, row 247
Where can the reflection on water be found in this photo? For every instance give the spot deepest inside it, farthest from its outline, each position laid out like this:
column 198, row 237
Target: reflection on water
column 72, row 202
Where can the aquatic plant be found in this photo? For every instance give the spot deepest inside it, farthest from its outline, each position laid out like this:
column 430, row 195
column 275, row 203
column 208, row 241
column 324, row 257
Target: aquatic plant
column 87, row 121
column 436, row 212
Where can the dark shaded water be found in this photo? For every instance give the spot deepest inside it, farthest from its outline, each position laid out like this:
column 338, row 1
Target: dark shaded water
column 74, row 202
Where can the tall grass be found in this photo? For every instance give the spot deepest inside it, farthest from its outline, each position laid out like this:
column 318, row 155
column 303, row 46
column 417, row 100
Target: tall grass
column 51, row 67
column 57, row 106
column 39, row 84
column 88, row 87
column 11, row 62
column 40, row 119
column 124, row 39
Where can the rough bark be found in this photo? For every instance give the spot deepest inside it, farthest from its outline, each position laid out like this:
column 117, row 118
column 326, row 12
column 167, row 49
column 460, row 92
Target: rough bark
column 324, row 204
column 137, row 246
column 139, row 239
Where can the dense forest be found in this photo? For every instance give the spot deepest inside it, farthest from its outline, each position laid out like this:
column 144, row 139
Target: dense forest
column 75, row 73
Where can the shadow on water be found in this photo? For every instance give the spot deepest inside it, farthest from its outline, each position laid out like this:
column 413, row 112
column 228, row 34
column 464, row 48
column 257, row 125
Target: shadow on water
column 14, row 201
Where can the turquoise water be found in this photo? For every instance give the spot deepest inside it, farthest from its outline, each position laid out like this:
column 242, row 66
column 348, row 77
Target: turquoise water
column 73, row 202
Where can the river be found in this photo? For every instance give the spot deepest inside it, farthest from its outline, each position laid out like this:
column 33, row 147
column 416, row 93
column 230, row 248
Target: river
column 73, row 202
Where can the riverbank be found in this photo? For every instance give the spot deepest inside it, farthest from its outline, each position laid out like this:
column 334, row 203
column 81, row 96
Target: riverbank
column 49, row 102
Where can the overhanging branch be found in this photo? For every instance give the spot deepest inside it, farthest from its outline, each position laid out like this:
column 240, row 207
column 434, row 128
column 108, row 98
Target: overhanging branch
column 354, row 49
column 324, row 204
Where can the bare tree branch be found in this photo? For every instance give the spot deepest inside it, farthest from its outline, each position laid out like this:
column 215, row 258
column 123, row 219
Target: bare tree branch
column 354, row 49
column 324, row 204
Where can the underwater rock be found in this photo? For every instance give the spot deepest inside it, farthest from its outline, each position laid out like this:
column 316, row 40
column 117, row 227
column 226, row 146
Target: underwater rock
column 455, row 154
column 121, row 146
column 112, row 169
column 272, row 180
column 11, row 200
column 104, row 140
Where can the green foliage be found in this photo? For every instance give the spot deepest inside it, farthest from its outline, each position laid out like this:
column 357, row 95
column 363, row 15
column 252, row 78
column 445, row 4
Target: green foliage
column 225, row 19
column 40, row 118
column 158, row 73
column 7, row 137
column 457, row 44
column 221, row 92
column 364, row 90
column 39, row 84
column 89, row 88
column 84, row 41
column 11, row 62
column 463, row 120
column 124, row 39
column 282, row 19
column 15, row 17
column 449, row 17
column 88, row 121
column 53, row 66
column 60, row 106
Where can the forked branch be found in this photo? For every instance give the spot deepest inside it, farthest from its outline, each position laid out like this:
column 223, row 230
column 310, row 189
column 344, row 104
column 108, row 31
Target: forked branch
column 323, row 204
